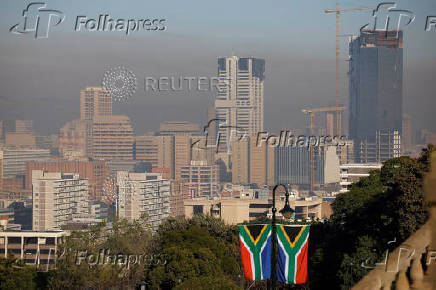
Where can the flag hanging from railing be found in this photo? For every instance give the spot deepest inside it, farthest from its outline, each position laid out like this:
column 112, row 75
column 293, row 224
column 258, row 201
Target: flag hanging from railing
column 255, row 243
column 293, row 243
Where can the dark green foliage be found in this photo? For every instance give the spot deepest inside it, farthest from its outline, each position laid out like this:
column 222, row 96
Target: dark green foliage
column 15, row 275
column 385, row 206
column 199, row 250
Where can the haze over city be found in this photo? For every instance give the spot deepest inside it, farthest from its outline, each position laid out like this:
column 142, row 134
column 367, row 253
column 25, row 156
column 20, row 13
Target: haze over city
column 41, row 79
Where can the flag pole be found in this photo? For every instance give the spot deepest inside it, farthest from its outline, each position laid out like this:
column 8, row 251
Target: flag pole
column 274, row 241
column 286, row 211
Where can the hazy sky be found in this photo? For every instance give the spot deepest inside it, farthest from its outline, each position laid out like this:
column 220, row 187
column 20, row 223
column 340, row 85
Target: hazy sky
column 41, row 79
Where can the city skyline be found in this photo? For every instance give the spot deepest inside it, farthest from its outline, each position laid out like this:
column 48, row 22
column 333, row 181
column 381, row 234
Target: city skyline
column 298, row 70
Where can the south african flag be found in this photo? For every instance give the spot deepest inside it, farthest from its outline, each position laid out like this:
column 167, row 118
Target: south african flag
column 293, row 242
column 256, row 251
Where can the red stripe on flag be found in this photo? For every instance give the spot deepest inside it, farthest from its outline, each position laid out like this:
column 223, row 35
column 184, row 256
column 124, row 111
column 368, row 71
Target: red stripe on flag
column 301, row 275
column 246, row 262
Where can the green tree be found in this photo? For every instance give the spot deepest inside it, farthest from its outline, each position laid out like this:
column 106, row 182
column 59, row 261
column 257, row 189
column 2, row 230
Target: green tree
column 14, row 274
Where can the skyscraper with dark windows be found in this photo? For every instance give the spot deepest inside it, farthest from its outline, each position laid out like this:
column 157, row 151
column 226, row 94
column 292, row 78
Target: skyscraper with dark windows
column 376, row 89
column 239, row 104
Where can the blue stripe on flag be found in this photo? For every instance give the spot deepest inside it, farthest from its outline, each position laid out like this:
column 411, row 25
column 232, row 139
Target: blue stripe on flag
column 266, row 259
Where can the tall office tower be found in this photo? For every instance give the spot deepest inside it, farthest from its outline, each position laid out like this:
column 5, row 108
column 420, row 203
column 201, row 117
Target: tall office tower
column 239, row 104
column 95, row 101
column 201, row 179
column 179, row 192
column 57, row 198
column 376, row 85
column 292, row 165
column 385, row 145
column 406, row 135
column 158, row 150
column 73, row 142
column 241, row 161
column 146, row 149
column 182, row 153
column 252, row 162
column 112, row 138
column 143, row 193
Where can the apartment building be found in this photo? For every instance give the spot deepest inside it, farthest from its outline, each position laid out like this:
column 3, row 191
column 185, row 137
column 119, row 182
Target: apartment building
column 57, row 198
column 96, row 172
column 143, row 193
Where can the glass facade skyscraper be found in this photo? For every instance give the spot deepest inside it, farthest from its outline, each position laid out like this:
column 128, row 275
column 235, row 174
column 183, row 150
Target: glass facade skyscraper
column 376, row 85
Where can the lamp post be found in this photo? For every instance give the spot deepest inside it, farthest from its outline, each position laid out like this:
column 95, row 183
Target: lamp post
column 286, row 212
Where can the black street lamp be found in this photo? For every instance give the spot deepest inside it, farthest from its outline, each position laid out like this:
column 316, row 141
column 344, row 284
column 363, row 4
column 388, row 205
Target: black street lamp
column 286, row 212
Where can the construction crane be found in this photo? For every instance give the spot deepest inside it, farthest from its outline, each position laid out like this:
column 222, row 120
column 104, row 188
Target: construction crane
column 311, row 113
column 338, row 12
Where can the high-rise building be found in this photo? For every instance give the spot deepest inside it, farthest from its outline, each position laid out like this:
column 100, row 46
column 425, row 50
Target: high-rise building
column 252, row 162
column 95, row 101
column 241, row 161
column 57, row 197
column 376, row 86
column 386, row 145
column 182, row 153
column 13, row 161
column 143, row 193
column 406, row 136
column 201, row 179
column 292, row 165
column 112, row 138
column 178, row 193
column 73, row 139
column 96, row 172
column 157, row 150
column 239, row 104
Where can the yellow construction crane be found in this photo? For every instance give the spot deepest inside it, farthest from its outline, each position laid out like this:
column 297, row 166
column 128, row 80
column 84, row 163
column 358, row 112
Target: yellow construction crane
column 311, row 113
column 338, row 12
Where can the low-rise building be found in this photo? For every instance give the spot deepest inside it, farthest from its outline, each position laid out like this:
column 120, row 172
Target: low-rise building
column 34, row 248
column 352, row 172
column 238, row 210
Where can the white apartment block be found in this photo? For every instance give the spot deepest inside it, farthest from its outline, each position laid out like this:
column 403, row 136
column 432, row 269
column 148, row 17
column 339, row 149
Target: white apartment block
column 143, row 193
column 239, row 104
column 57, row 198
